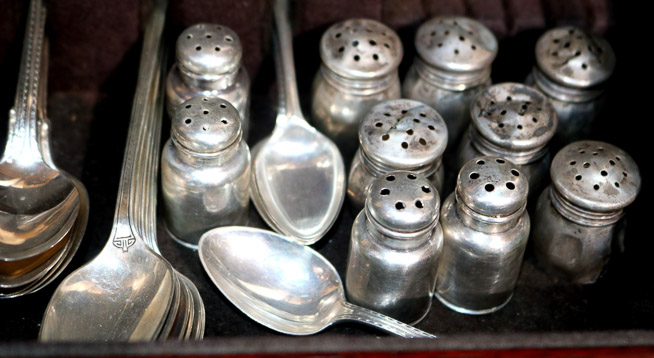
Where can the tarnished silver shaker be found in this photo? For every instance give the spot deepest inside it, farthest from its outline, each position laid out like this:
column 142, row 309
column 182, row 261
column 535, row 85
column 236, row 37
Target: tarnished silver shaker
column 205, row 170
column 515, row 122
column 360, row 58
column 209, row 64
column 453, row 63
column 485, row 231
column 572, row 69
column 395, row 247
column 578, row 216
column 398, row 134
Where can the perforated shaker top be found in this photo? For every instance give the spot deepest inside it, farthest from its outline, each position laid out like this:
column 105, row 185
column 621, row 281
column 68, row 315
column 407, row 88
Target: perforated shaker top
column 573, row 57
column 492, row 186
column 206, row 125
column 403, row 134
column 209, row 49
column 514, row 116
column 456, row 43
column 403, row 201
column 596, row 176
column 361, row 49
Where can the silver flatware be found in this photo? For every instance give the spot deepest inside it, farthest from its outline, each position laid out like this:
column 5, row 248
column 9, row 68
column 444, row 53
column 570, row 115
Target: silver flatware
column 298, row 175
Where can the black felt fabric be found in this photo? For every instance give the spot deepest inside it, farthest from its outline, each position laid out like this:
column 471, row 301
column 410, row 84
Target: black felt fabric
column 94, row 58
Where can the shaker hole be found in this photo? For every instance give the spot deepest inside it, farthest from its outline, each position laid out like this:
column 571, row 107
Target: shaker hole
column 604, row 173
column 489, row 187
column 462, row 38
column 456, row 51
column 399, row 205
column 355, row 43
column 385, row 137
column 228, row 39
column 208, row 36
column 611, row 162
column 423, row 115
column 596, row 187
column 422, row 141
column 372, row 43
column 573, row 162
column 586, row 165
column 617, row 185
column 624, row 174
column 510, row 185
column 188, row 121
column 411, row 176
column 379, row 124
column 431, row 127
column 188, row 106
column 217, row 48
column 390, row 178
column 535, row 120
column 404, row 111
column 426, row 189
column 188, row 37
column 338, row 35
column 578, row 177
column 204, row 128
column 416, row 120
column 473, row 47
column 405, row 145
column 341, row 49
column 375, row 57
column 387, row 45
column 481, row 162
column 222, row 105
column 419, row 204
column 385, row 192
column 501, row 161
column 433, row 33
column 198, row 48
column 474, row 176
column 503, row 112
column 224, row 121
column 409, row 132
column 508, row 98
column 387, row 114
column 618, row 158
column 356, row 58
column 501, row 125
column 584, row 66
column 519, row 126
column 440, row 44
column 205, row 112
column 515, row 173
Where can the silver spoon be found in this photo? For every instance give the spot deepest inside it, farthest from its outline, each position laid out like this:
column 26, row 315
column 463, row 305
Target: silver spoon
column 125, row 293
column 282, row 284
column 38, row 203
column 39, row 277
column 298, row 174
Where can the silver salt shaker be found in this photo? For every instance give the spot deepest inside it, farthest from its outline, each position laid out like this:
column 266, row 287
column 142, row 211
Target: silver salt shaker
column 572, row 68
column 205, row 170
column 395, row 247
column 360, row 58
column 577, row 216
column 209, row 65
column 399, row 134
column 515, row 122
column 453, row 64
column 485, row 231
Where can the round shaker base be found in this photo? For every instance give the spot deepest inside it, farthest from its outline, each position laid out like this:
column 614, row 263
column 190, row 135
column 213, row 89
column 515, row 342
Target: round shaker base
column 180, row 241
column 469, row 311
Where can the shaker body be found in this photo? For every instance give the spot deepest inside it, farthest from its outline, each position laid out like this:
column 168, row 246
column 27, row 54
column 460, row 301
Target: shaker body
column 203, row 193
column 567, row 249
column 237, row 94
column 478, row 271
column 397, row 282
column 453, row 106
column 337, row 112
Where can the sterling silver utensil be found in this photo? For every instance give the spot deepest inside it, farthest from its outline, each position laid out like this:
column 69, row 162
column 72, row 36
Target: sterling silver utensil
column 298, row 175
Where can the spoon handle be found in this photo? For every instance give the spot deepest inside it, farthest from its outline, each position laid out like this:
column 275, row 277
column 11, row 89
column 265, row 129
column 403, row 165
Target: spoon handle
column 376, row 319
column 135, row 207
column 289, row 101
column 22, row 141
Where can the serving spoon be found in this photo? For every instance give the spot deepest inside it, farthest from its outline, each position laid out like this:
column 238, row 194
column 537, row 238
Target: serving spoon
column 125, row 293
column 38, row 203
column 282, row 284
column 298, row 176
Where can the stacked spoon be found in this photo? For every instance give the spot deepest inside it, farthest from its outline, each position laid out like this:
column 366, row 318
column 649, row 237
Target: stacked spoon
column 43, row 210
column 129, row 292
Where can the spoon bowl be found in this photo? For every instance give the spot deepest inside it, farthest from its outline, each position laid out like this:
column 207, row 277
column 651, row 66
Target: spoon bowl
column 282, row 284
